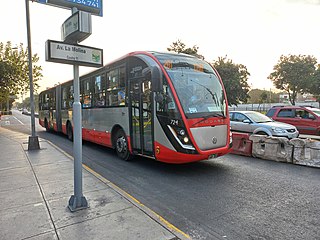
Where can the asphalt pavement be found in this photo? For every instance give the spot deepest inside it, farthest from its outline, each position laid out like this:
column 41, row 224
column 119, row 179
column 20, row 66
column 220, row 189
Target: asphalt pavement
column 35, row 187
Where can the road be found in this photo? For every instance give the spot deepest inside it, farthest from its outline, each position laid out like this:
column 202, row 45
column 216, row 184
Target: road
column 231, row 197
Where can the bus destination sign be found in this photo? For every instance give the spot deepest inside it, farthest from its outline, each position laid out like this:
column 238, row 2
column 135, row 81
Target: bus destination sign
column 91, row 6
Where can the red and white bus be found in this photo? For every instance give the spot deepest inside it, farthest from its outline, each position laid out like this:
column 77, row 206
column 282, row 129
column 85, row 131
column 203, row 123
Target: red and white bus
column 166, row 106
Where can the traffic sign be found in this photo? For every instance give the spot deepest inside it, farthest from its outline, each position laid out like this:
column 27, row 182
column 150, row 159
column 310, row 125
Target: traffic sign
column 91, row 6
column 74, row 54
column 77, row 27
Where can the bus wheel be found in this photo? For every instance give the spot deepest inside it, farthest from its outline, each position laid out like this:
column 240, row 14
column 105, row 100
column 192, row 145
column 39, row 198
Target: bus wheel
column 121, row 145
column 70, row 132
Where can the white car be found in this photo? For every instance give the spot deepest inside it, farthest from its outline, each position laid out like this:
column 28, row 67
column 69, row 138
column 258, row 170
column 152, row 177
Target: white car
column 257, row 123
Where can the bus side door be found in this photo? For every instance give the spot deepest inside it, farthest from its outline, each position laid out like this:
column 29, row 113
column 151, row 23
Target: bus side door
column 140, row 104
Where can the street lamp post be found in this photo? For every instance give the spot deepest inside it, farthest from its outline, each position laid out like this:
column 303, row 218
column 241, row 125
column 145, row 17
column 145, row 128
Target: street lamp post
column 33, row 143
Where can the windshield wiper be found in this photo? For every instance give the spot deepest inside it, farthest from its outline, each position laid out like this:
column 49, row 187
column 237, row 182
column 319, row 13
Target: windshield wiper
column 213, row 95
column 217, row 114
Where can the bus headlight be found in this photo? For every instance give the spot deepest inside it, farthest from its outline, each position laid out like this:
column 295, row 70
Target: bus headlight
column 182, row 132
column 181, row 136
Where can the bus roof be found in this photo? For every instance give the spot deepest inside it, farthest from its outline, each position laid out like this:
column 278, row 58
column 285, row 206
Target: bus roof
column 154, row 53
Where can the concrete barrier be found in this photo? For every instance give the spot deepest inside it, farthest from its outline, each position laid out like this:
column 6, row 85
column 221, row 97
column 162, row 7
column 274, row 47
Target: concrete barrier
column 306, row 152
column 271, row 148
column 241, row 144
column 258, row 145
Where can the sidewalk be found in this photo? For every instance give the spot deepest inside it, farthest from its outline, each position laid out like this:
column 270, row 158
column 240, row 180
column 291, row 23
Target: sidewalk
column 35, row 187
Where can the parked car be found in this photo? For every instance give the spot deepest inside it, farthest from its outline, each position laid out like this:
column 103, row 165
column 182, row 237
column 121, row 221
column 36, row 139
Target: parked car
column 257, row 123
column 306, row 119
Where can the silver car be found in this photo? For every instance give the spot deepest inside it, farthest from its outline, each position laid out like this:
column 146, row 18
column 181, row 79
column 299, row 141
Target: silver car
column 257, row 123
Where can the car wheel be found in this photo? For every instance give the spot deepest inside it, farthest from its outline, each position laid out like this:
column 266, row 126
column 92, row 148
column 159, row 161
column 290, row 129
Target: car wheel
column 121, row 145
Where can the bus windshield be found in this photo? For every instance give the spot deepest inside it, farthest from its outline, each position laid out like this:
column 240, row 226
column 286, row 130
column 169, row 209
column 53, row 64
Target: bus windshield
column 197, row 85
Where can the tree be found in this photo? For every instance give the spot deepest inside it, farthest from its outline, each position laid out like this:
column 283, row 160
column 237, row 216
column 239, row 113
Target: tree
column 26, row 103
column 314, row 87
column 235, row 80
column 180, row 47
column 14, row 71
column 255, row 96
column 293, row 74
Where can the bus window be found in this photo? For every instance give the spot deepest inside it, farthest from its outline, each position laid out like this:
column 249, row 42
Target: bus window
column 167, row 106
column 116, row 87
column 87, row 94
column 65, row 97
column 99, row 91
column 53, row 101
column 70, row 98
column 122, row 85
column 49, row 101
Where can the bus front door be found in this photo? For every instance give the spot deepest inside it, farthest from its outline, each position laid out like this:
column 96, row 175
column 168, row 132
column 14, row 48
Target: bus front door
column 140, row 120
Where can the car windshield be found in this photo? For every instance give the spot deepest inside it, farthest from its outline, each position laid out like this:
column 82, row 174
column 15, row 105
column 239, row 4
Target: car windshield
column 197, row 85
column 258, row 117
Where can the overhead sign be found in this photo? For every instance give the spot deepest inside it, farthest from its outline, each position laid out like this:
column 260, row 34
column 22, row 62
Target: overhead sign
column 91, row 6
column 74, row 54
column 77, row 27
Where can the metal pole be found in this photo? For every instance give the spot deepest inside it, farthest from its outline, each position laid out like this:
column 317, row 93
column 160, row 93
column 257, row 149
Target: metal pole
column 33, row 143
column 77, row 201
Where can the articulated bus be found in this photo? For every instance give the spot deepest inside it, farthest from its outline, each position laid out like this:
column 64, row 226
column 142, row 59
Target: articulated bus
column 166, row 106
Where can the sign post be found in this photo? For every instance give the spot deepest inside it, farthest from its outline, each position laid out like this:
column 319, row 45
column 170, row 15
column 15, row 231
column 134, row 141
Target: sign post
column 77, row 201
column 74, row 30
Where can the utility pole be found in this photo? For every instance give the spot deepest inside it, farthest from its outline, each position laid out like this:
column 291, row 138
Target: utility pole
column 33, row 143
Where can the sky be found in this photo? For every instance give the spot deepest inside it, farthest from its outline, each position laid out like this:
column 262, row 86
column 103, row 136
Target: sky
column 254, row 33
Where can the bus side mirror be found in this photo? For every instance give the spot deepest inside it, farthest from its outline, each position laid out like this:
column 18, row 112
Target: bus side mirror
column 156, row 79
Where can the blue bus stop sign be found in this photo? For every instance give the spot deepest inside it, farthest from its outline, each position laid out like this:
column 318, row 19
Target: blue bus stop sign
column 92, row 6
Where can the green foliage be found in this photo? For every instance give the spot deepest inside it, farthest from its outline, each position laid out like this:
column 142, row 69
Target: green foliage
column 294, row 74
column 314, row 86
column 261, row 96
column 180, row 47
column 14, row 71
column 235, row 80
column 26, row 103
